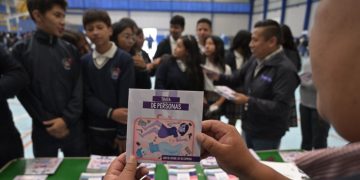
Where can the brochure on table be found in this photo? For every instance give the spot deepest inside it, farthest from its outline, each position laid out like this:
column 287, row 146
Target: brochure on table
column 162, row 125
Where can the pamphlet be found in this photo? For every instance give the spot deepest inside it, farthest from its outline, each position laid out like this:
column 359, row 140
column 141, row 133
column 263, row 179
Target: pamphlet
column 31, row 177
column 226, row 92
column 42, row 165
column 99, row 164
column 162, row 125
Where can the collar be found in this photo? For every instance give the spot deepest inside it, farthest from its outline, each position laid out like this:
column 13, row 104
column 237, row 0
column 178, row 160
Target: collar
column 172, row 40
column 268, row 57
column 108, row 54
column 237, row 54
column 45, row 37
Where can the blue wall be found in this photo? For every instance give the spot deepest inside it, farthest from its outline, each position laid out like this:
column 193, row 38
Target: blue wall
column 169, row 6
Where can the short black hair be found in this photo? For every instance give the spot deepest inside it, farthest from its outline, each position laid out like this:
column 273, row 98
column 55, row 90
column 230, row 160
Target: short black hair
column 178, row 20
column 131, row 22
column 205, row 20
column 93, row 15
column 44, row 5
column 272, row 29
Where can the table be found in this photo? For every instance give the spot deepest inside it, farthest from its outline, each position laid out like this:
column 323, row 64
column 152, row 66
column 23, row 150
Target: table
column 71, row 168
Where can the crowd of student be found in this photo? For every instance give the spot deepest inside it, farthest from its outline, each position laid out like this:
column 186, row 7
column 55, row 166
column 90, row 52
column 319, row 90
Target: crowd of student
column 77, row 97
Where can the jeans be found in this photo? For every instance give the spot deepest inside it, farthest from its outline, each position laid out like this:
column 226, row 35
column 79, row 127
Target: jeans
column 314, row 129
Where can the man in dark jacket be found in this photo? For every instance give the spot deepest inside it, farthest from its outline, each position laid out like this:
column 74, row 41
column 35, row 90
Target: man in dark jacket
column 269, row 80
column 12, row 78
column 54, row 97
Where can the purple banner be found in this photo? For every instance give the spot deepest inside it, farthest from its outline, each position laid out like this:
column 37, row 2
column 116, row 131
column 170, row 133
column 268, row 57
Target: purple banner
column 165, row 106
column 181, row 158
column 166, row 99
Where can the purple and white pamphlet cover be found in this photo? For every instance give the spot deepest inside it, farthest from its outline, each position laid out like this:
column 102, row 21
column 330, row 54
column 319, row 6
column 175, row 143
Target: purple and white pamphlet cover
column 162, row 125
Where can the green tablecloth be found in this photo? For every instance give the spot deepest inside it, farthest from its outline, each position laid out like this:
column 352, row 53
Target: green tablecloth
column 69, row 169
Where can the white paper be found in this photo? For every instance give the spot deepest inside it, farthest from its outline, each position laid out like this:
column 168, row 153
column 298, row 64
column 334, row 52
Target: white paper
column 225, row 92
column 162, row 125
column 99, row 163
column 31, row 177
column 42, row 165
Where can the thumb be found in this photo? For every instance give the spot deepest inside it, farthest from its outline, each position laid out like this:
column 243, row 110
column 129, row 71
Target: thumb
column 130, row 169
column 209, row 144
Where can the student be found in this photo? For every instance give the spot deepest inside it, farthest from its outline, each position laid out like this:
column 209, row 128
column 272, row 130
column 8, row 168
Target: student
column 167, row 46
column 214, row 59
column 125, row 38
column 150, row 66
column 108, row 75
column 203, row 30
column 236, row 57
column 78, row 40
column 292, row 54
column 12, row 78
column 181, row 71
column 54, row 96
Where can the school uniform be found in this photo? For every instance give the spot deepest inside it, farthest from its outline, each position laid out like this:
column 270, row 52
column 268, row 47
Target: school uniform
column 55, row 91
column 171, row 75
column 107, row 79
column 12, row 78
column 142, row 76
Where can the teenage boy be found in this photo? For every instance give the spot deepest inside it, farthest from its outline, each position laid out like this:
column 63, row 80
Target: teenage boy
column 54, row 96
column 167, row 46
column 203, row 30
column 108, row 75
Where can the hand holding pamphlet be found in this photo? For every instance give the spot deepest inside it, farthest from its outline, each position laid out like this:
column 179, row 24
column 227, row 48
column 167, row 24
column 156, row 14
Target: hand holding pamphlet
column 162, row 125
column 226, row 92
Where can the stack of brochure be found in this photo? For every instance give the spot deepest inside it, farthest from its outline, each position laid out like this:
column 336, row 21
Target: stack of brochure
column 42, row 166
column 97, row 167
column 39, row 168
column 183, row 172
column 31, row 177
column 213, row 171
column 99, row 164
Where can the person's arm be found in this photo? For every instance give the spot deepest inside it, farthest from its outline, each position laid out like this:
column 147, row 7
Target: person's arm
column 283, row 90
column 72, row 112
column 234, row 80
column 161, row 76
column 160, row 49
column 225, row 143
column 125, row 82
column 26, row 96
column 13, row 76
column 92, row 103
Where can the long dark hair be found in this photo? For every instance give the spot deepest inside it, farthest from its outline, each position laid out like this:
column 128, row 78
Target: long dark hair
column 193, row 61
column 219, row 54
column 288, row 38
column 242, row 40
